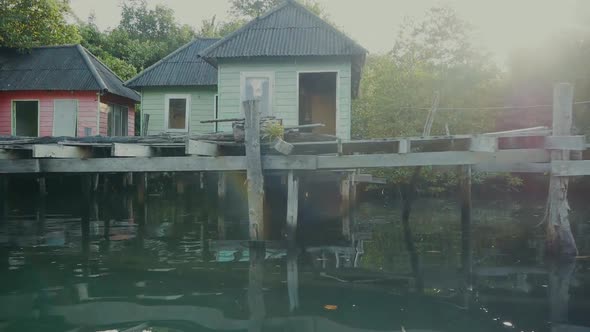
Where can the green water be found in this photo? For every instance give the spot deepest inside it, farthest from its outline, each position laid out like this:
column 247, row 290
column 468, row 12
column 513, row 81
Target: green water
column 170, row 271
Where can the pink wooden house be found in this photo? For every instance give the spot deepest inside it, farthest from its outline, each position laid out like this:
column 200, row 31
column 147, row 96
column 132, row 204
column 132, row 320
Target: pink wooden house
column 62, row 91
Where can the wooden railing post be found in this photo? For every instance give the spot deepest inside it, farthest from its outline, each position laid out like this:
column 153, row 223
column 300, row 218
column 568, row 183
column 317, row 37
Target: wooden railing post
column 254, row 170
column 560, row 240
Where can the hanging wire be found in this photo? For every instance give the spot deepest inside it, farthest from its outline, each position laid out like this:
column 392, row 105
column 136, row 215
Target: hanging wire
column 490, row 108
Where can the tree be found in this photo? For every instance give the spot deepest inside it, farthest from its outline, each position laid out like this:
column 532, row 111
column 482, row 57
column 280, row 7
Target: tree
column 29, row 23
column 433, row 55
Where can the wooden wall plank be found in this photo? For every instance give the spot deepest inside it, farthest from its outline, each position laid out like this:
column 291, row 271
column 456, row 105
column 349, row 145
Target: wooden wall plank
column 59, row 151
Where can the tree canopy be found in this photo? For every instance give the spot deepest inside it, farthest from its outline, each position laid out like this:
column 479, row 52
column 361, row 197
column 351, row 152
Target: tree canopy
column 29, row 23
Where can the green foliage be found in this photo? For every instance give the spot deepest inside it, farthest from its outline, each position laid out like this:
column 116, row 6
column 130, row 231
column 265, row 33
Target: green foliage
column 143, row 37
column 435, row 55
column 29, row 23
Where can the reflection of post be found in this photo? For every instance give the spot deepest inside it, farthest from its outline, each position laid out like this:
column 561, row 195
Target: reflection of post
column 255, row 289
column 221, row 188
column 85, row 214
column 141, row 210
column 466, row 250
column 345, row 206
column 292, row 207
column 560, row 275
column 3, row 197
column 407, row 193
column 292, row 279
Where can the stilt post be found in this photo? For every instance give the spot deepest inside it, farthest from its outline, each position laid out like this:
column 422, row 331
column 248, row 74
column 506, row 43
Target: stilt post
column 560, row 240
column 466, row 243
column 292, row 206
column 254, row 170
column 221, row 188
column 345, row 206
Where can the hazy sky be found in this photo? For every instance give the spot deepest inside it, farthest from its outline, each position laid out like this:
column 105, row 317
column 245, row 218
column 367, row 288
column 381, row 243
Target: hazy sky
column 501, row 24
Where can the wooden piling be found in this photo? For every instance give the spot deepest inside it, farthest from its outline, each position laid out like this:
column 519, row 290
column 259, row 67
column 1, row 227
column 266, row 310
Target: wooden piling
column 255, row 288
column 3, row 197
column 466, row 247
column 42, row 181
column 292, row 207
column 345, row 206
column 85, row 213
column 221, row 191
column 560, row 240
column 293, row 279
column 254, row 170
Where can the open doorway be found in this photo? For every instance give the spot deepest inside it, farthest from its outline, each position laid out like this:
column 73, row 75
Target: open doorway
column 25, row 118
column 317, row 100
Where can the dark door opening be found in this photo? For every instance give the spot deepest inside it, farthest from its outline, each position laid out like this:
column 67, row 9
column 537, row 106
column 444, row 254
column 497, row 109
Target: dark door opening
column 317, row 101
column 26, row 118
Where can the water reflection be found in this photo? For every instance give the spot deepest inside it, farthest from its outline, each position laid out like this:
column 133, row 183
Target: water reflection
column 161, row 263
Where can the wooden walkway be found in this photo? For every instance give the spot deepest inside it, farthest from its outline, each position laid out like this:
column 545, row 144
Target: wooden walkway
column 484, row 152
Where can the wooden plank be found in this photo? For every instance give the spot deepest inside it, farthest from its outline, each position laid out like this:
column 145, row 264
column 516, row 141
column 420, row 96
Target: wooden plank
column 131, row 150
column 575, row 143
column 7, row 154
column 432, row 159
column 254, row 170
column 368, row 178
column 59, row 151
column 19, row 166
column 404, row 146
column 202, row 148
column 533, row 131
column 513, row 168
column 481, row 143
column 570, row 168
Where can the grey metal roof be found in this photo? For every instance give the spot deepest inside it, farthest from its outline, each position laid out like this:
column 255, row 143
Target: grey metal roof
column 182, row 67
column 66, row 67
column 288, row 30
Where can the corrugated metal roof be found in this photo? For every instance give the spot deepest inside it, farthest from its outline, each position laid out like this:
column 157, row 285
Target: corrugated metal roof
column 288, row 30
column 54, row 68
column 182, row 67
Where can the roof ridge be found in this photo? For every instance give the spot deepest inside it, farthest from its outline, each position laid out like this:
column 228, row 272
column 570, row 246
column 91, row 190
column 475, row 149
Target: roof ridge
column 178, row 50
column 330, row 26
column 244, row 27
column 102, row 86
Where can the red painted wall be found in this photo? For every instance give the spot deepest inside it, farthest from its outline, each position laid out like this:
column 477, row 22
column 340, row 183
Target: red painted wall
column 87, row 110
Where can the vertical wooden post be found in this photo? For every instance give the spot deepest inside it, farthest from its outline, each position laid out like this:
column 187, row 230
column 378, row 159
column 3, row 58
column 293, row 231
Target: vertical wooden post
column 254, row 170
column 141, row 214
column 292, row 207
column 221, row 188
column 345, row 206
column 560, row 240
column 560, row 277
column 466, row 249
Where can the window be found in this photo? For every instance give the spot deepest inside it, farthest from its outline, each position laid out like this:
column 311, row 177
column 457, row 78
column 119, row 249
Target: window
column 117, row 120
column 258, row 86
column 177, row 113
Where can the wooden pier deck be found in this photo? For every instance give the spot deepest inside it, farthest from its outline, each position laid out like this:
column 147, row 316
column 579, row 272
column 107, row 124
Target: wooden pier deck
column 183, row 154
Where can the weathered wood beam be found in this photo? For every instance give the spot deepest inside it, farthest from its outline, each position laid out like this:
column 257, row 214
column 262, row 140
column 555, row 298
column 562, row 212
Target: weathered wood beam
column 131, row 150
column 432, row 159
column 570, row 168
column 404, row 146
column 513, row 168
column 575, row 143
column 533, row 131
column 560, row 240
column 59, row 151
column 368, row 178
column 483, row 143
column 202, row 148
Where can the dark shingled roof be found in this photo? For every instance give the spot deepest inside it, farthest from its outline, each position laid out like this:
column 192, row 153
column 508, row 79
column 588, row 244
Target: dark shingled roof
column 182, row 67
column 55, row 68
column 288, row 30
